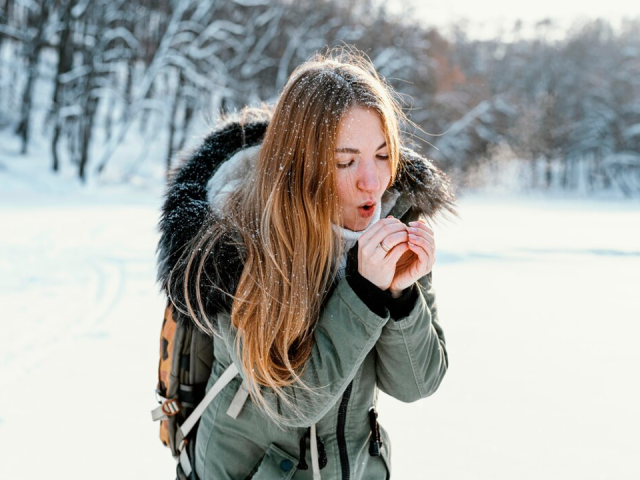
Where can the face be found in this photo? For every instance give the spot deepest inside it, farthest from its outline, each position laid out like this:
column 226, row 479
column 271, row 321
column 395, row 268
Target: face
column 363, row 167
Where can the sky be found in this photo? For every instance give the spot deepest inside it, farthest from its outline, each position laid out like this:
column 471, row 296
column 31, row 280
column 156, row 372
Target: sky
column 488, row 16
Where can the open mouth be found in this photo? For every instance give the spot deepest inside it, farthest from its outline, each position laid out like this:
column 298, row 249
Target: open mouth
column 367, row 209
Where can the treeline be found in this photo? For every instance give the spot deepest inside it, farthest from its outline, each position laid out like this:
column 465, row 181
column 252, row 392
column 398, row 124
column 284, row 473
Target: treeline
column 569, row 109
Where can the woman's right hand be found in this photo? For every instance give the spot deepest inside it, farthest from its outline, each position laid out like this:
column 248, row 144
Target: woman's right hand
column 374, row 263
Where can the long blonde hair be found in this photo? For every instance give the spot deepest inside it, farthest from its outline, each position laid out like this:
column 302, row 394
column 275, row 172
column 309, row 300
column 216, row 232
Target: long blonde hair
column 283, row 216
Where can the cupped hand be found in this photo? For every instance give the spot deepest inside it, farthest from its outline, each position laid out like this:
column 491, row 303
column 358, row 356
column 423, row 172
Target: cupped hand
column 417, row 261
column 374, row 263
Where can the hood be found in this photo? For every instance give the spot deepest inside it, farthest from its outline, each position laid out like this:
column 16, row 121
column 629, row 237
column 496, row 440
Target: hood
column 201, row 182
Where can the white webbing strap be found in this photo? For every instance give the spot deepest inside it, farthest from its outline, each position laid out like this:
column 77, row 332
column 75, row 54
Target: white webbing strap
column 315, row 464
column 158, row 414
column 184, row 462
column 217, row 387
column 238, row 400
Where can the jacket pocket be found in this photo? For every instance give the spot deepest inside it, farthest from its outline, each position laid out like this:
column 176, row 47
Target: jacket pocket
column 275, row 465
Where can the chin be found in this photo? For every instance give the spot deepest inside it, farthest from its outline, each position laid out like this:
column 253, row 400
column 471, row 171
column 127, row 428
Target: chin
column 357, row 225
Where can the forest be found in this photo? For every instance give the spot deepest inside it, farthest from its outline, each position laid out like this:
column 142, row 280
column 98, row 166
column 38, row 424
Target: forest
column 559, row 110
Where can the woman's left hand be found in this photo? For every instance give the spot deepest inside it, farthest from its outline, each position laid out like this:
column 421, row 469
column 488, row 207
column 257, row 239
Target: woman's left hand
column 417, row 261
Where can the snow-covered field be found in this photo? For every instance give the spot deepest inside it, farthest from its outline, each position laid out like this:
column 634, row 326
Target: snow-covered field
column 539, row 299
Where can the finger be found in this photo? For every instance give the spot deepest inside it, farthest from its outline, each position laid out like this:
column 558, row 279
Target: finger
column 396, row 252
column 394, row 239
column 424, row 263
column 369, row 247
column 421, row 229
column 422, row 226
column 423, row 255
column 388, row 243
column 365, row 238
column 412, row 233
column 430, row 258
column 386, row 231
column 422, row 242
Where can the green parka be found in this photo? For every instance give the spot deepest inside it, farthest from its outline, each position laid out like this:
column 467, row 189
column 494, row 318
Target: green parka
column 356, row 350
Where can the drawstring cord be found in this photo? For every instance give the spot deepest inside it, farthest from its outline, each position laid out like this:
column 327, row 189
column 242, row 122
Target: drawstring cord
column 322, row 454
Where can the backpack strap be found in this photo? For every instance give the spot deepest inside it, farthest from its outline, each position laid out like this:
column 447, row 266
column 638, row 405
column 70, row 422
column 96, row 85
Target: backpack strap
column 185, row 463
column 238, row 401
column 315, row 463
column 217, row 387
column 164, row 410
column 192, row 419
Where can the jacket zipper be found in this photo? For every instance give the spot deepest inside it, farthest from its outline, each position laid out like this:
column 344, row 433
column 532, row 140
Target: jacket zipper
column 342, row 442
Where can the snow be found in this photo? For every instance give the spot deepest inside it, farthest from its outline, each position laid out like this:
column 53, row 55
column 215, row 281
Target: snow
column 539, row 302
column 537, row 296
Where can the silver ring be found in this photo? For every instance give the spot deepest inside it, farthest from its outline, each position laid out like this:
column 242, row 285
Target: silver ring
column 384, row 248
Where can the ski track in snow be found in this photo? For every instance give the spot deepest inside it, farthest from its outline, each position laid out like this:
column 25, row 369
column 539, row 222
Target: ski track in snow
column 99, row 288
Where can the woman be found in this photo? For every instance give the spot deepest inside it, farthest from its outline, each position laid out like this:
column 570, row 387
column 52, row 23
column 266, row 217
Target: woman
column 308, row 258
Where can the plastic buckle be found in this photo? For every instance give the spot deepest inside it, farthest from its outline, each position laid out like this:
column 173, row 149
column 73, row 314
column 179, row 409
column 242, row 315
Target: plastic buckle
column 171, row 407
column 159, row 397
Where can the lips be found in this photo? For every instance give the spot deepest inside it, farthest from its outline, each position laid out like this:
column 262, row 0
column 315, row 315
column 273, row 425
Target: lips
column 367, row 209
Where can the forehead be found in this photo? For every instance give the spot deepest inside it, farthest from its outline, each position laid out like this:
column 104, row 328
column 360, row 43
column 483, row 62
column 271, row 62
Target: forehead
column 360, row 126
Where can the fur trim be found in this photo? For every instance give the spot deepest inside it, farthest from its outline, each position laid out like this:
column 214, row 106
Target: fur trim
column 427, row 187
column 186, row 205
column 218, row 166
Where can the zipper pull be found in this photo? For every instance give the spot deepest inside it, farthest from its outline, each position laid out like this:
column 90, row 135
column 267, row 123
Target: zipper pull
column 376, row 441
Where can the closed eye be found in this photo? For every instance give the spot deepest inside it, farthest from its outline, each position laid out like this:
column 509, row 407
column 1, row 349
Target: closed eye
column 345, row 164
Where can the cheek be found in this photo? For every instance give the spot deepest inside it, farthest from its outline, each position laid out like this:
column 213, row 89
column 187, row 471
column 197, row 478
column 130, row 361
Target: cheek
column 344, row 187
column 384, row 175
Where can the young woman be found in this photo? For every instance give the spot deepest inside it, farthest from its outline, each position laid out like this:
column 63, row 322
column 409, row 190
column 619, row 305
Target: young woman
column 297, row 238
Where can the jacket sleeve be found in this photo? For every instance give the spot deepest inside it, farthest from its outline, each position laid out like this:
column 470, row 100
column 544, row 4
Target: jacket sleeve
column 411, row 355
column 346, row 332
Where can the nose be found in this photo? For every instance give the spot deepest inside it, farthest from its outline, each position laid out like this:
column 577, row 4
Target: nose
column 368, row 179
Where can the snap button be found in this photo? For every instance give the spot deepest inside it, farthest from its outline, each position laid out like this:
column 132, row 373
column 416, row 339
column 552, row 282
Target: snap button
column 286, row 465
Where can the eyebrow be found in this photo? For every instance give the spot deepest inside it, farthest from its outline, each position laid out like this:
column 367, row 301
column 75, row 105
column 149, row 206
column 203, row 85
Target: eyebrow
column 355, row 150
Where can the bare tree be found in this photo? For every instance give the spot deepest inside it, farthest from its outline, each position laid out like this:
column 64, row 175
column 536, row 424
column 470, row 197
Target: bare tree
column 33, row 40
column 555, row 102
column 65, row 51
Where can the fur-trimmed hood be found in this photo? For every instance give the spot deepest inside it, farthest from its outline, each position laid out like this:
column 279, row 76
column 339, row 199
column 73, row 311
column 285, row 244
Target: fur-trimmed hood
column 201, row 182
